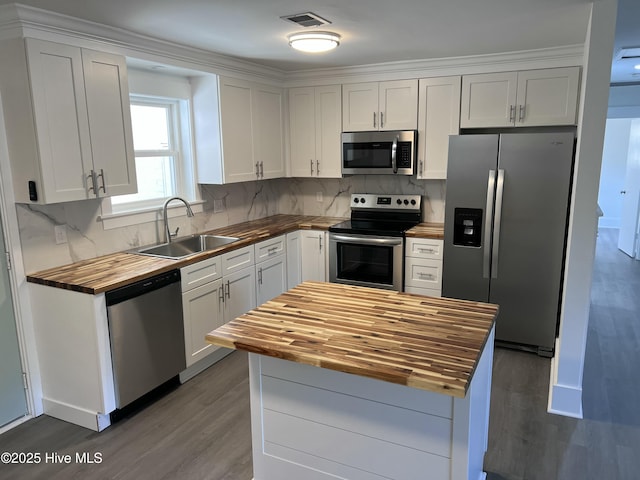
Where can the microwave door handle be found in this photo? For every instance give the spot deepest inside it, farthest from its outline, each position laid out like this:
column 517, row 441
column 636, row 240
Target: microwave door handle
column 394, row 148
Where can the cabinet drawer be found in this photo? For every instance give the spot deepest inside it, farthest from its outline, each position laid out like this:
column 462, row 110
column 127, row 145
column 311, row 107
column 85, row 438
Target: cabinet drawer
column 430, row 292
column 424, row 248
column 193, row 276
column 424, row 273
column 237, row 259
column 270, row 248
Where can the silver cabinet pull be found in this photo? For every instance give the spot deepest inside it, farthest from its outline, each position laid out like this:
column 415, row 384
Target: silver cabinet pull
column 317, row 167
column 228, row 290
column 261, row 169
column 381, row 119
column 521, row 112
column 421, row 169
column 374, row 119
column 103, row 187
column 258, row 169
column 512, row 113
column 221, row 294
column 320, row 242
column 311, row 164
column 260, row 276
column 91, row 187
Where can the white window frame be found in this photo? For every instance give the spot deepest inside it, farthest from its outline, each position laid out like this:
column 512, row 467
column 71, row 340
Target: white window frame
column 181, row 140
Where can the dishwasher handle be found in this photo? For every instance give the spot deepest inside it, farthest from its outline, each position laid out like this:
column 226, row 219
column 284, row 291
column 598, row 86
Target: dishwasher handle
column 141, row 287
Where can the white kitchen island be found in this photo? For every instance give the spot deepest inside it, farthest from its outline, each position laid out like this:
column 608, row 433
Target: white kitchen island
column 402, row 391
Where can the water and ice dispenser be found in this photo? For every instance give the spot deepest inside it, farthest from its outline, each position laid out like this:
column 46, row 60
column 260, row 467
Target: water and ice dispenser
column 467, row 227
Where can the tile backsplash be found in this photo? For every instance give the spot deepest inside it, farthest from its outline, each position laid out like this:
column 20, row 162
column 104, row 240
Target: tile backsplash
column 86, row 237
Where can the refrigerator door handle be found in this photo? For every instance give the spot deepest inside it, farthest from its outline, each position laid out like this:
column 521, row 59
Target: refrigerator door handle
column 496, row 225
column 486, row 260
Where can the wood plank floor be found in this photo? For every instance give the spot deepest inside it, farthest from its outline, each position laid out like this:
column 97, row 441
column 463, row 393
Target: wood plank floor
column 201, row 430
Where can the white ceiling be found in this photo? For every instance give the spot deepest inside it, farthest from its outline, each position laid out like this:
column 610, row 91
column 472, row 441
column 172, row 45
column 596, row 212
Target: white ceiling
column 373, row 31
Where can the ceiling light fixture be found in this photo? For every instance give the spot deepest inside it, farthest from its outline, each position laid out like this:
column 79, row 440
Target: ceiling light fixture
column 314, row 42
column 637, row 67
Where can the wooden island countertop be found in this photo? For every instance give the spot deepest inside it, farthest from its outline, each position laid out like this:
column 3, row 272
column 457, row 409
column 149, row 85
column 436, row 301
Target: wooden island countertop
column 427, row 343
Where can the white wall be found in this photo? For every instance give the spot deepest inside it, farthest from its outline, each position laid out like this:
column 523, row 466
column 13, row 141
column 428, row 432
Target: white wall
column 565, row 392
column 624, row 101
column 612, row 176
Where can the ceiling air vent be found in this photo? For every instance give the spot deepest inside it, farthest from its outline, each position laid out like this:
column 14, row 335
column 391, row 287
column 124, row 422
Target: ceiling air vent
column 627, row 53
column 307, row 19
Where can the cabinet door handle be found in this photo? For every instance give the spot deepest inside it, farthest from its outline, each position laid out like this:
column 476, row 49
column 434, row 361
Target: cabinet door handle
column 521, row 112
column 92, row 187
column 512, row 113
column 421, row 169
column 374, row 119
column 257, row 169
column 221, row 294
column 261, row 169
column 260, row 276
column 381, row 119
column 311, row 164
column 101, row 176
column 428, row 276
column 228, row 290
column 317, row 167
column 426, row 250
column 320, row 242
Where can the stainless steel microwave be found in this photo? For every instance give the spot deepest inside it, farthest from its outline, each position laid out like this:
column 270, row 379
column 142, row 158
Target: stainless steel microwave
column 382, row 153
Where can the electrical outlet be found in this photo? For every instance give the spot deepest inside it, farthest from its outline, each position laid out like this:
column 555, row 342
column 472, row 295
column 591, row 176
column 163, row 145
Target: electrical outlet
column 319, row 197
column 60, row 232
column 218, row 205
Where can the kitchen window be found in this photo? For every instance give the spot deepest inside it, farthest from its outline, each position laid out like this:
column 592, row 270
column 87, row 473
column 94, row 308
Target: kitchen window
column 163, row 158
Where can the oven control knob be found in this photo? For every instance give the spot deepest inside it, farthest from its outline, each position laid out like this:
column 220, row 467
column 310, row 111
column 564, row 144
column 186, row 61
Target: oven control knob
column 362, row 200
column 399, row 202
column 356, row 200
column 406, row 202
column 413, row 202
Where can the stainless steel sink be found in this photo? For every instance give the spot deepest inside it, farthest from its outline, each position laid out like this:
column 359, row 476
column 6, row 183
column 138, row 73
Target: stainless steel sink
column 183, row 247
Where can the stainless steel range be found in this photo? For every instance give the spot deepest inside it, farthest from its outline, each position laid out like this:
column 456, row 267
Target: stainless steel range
column 368, row 249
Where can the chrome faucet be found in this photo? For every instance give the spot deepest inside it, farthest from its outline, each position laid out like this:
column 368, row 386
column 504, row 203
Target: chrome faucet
column 166, row 220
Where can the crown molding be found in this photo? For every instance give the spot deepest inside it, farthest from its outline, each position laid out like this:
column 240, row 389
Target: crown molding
column 565, row 56
column 20, row 20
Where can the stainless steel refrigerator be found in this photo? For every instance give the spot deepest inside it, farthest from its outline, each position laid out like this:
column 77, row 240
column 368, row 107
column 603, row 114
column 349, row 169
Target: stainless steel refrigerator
column 506, row 210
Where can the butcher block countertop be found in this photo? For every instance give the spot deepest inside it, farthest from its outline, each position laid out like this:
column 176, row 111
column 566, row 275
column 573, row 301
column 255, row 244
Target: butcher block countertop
column 422, row 342
column 427, row 230
column 101, row 274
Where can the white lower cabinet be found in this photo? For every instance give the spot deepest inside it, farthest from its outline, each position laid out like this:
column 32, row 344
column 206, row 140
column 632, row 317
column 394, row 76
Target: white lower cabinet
column 271, row 269
column 294, row 258
column 239, row 293
column 423, row 266
column 313, row 247
column 202, row 306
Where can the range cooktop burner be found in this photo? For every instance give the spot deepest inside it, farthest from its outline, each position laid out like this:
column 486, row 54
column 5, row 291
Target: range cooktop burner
column 383, row 215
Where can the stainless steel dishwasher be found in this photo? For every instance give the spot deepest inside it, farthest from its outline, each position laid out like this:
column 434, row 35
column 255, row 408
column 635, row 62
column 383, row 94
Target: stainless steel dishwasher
column 147, row 335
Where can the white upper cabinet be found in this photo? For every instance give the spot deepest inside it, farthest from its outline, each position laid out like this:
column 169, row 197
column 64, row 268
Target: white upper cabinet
column 68, row 121
column 238, row 130
column 522, row 99
column 438, row 117
column 389, row 105
column 315, row 124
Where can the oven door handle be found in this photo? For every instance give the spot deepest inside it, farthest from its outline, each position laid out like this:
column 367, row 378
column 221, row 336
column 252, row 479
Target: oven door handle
column 362, row 240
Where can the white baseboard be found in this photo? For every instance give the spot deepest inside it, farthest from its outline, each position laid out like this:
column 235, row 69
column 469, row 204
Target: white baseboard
column 563, row 399
column 15, row 423
column 69, row 413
